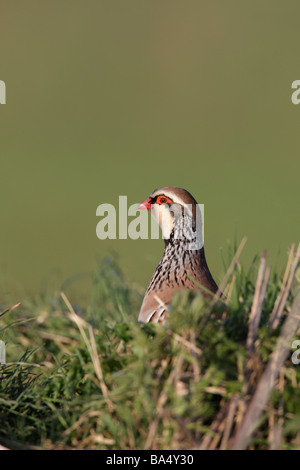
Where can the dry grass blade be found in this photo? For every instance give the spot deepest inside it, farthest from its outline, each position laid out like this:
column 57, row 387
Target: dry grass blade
column 97, row 438
column 10, row 309
column 211, row 440
column 230, row 269
column 91, row 346
column 276, row 417
column 230, row 290
column 284, row 281
column 229, row 421
column 258, row 300
column 224, row 281
column 160, row 302
column 190, row 346
column 267, row 381
column 284, row 295
column 276, row 436
column 173, row 377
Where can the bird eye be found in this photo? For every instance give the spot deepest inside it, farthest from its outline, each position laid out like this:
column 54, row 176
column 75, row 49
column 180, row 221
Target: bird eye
column 163, row 200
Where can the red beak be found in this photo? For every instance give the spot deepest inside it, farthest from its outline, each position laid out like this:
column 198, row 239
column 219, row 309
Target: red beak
column 145, row 204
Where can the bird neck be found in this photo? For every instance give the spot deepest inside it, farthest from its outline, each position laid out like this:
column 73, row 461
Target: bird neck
column 185, row 234
column 178, row 251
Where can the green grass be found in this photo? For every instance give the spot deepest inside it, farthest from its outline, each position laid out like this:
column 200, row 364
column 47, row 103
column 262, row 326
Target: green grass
column 91, row 377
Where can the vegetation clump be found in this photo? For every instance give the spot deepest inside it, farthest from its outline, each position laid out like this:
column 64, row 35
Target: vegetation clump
column 219, row 375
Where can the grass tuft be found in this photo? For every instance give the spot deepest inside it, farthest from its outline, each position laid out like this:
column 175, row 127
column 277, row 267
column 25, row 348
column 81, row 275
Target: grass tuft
column 218, row 376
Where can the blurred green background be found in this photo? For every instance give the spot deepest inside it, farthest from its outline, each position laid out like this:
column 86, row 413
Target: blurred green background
column 118, row 97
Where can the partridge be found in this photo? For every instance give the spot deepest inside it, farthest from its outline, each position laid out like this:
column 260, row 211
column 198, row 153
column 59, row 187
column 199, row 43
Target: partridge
column 183, row 260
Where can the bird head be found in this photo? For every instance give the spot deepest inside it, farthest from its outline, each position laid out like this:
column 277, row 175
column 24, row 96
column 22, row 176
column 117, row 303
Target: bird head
column 178, row 215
